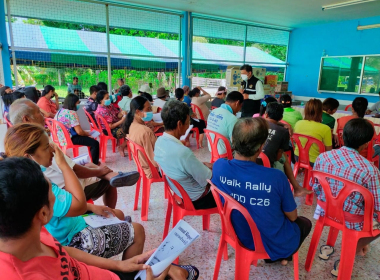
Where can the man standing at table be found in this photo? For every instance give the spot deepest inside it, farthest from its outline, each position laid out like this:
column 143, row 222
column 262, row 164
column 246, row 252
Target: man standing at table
column 252, row 89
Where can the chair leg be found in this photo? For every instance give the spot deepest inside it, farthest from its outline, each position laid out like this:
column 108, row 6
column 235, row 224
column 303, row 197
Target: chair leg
column 113, row 145
column 296, row 266
column 75, row 152
column 129, row 153
column 225, row 253
column 347, row 256
column 333, row 235
column 206, row 222
column 242, row 265
column 314, row 243
column 296, row 169
column 167, row 219
column 104, row 154
column 145, row 200
column 89, row 153
column 221, row 249
column 306, row 185
column 138, row 184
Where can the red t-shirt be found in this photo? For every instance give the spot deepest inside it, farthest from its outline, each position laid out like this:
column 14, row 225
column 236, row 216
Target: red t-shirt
column 62, row 267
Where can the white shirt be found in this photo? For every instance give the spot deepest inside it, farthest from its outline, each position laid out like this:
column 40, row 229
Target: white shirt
column 159, row 103
column 259, row 91
column 125, row 103
column 375, row 108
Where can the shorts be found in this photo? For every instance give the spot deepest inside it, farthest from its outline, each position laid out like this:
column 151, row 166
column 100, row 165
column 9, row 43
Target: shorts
column 280, row 164
column 97, row 189
column 105, row 242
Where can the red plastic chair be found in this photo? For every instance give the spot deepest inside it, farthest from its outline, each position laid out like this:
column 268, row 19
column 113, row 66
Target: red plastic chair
column 304, row 162
column 198, row 112
column 104, row 138
column 159, row 109
column 5, row 117
column 288, row 153
column 213, row 107
column 53, row 126
column 348, row 107
column 137, row 151
column 265, row 159
column 182, row 207
column 335, row 217
column 94, row 126
column 243, row 256
column 195, row 132
column 214, row 145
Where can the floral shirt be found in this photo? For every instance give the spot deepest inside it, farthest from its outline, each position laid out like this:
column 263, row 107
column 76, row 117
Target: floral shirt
column 109, row 113
column 69, row 119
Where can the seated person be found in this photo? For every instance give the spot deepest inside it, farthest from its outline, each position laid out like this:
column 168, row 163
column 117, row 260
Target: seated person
column 291, row 116
column 120, row 83
column 374, row 109
column 200, row 101
column 179, row 162
column 263, row 106
column 47, row 106
column 67, row 225
column 186, row 99
column 126, row 93
column 32, row 93
column 330, row 106
column 147, row 96
column 200, row 124
column 68, row 116
column 74, row 86
column 161, row 99
column 28, row 251
column 91, row 105
column 278, row 142
column 6, row 96
column 79, row 93
column 220, row 96
column 18, row 94
column 348, row 164
column 145, row 88
column 96, row 181
column 312, row 126
column 115, row 98
column 113, row 116
column 282, row 230
column 138, row 132
column 222, row 120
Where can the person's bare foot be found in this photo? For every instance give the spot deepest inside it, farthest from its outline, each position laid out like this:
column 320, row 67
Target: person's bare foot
column 301, row 192
column 284, row 262
column 121, row 151
column 364, row 251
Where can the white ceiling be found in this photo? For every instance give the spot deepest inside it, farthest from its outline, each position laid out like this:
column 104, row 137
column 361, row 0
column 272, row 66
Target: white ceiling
column 285, row 13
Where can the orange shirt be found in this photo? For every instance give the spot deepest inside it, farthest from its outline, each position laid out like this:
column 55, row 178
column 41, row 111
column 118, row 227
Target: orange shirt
column 47, row 105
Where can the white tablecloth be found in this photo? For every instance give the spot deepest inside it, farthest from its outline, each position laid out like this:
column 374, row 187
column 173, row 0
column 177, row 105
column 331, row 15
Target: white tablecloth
column 341, row 113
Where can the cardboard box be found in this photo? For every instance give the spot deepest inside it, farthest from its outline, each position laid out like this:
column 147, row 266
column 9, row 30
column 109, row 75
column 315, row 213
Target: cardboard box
column 233, row 79
column 281, row 86
column 259, row 73
column 271, row 80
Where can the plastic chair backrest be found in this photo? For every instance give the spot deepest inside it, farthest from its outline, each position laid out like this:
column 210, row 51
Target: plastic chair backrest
column 265, row 159
column 53, row 130
column 214, row 145
column 159, row 109
column 213, row 107
column 184, row 202
column 101, row 121
column 339, row 131
column 55, row 125
column 93, row 123
column 334, row 205
column 5, row 116
column 303, row 157
column 225, row 211
column 347, row 107
column 137, row 151
column 197, row 111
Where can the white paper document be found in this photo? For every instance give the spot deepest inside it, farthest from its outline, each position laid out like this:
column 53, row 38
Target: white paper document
column 97, row 221
column 178, row 239
column 183, row 137
column 94, row 133
column 82, row 159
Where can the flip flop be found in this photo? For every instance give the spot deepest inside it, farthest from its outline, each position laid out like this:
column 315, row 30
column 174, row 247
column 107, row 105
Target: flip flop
column 192, row 270
column 325, row 252
column 125, row 179
column 335, row 271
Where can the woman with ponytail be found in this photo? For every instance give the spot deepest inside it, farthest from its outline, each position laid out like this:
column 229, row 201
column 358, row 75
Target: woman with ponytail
column 49, row 108
column 139, row 133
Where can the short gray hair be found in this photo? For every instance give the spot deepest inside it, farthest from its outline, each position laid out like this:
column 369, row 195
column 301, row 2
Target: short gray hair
column 19, row 109
column 248, row 135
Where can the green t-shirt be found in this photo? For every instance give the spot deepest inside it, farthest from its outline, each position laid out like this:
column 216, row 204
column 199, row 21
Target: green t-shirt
column 328, row 120
column 291, row 116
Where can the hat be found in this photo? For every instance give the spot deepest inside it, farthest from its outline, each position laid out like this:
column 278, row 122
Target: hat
column 145, row 88
column 161, row 92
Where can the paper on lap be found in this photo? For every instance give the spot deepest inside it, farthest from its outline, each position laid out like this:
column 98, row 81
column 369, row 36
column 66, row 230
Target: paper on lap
column 96, row 221
column 178, row 239
column 183, row 137
column 82, row 159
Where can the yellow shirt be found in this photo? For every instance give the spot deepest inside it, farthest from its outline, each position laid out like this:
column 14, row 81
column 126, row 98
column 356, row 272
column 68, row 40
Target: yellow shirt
column 314, row 129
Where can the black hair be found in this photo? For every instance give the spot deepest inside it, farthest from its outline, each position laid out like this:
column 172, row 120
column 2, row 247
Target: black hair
column 94, row 89
column 248, row 135
column 17, row 95
column 23, row 192
column 179, row 93
column 172, row 112
column 71, row 102
column 235, row 96
column 146, row 95
column 246, row 67
column 360, row 105
column 100, row 95
column 265, row 103
column 75, row 78
column 194, row 92
column 330, row 104
column 47, row 89
column 102, row 86
column 275, row 111
column 221, row 88
column 286, row 100
column 137, row 103
column 7, row 98
column 357, row 132
column 125, row 90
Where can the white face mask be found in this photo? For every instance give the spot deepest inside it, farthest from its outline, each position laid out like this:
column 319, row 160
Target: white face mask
column 244, row 77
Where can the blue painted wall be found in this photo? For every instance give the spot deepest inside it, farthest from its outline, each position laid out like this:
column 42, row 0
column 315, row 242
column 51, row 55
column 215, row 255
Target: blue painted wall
column 342, row 38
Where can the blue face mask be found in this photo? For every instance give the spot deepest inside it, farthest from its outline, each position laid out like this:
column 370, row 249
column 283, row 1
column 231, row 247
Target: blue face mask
column 43, row 168
column 78, row 107
column 148, row 117
column 227, row 107
column 107, row 102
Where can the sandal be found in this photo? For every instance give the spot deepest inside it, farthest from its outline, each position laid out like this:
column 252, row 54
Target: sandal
column 192, row 270
column 325, row 252
column 125, row 179
column 335, row 271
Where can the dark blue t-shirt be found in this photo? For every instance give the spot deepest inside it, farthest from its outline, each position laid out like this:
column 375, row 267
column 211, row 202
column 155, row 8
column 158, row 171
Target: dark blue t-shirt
column 265, row 193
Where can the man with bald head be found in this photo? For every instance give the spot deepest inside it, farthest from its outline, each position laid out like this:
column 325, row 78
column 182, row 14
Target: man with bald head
column 186, row 99
column 97, row 181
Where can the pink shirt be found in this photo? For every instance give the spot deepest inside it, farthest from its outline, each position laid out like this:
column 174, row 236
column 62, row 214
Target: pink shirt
column 47, row 105
column 109, row 113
